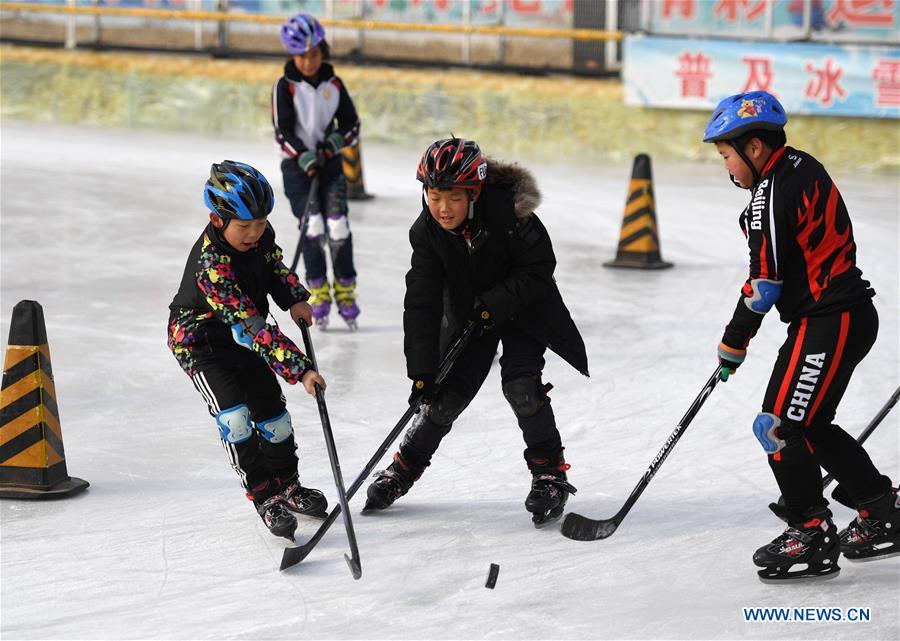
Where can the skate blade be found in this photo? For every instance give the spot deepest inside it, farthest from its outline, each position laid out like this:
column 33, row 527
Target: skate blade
column 885, row 554
column 540, row 521
column 322, row 323
column 798, row 577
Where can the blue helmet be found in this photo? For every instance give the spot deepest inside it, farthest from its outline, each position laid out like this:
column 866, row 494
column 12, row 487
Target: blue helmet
column 238, row 191
column 744, row 112
column 301, row 34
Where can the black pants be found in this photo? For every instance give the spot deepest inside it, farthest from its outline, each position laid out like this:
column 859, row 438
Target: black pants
column 523, row 357
column 229, row 376
column 327, row 224
column 810, row 377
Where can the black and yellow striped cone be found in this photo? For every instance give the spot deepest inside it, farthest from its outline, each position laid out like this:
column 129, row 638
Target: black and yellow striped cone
column 32, row 459
column 639, row 238
column 353, row 171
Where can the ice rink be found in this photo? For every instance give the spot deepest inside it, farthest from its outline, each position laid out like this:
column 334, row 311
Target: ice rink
column 96, row 226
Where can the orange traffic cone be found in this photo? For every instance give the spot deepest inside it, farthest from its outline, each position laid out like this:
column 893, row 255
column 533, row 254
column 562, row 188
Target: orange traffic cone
column 356, row 190
column 32, row 459
column 639, row 238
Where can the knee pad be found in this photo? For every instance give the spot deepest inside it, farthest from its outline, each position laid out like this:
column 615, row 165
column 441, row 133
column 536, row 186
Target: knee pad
column 525, row 395
column 234, row 424
column 773, row 434
column 338, row 228
column 315, row 226
column 445, row 409
column 277, row 429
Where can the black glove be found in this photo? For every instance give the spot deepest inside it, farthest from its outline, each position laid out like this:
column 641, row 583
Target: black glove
column 482, row 316
column 424, row 389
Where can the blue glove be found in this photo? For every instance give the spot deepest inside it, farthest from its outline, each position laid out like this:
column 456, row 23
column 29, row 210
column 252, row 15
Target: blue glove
column 308, row 162
column 333, row 144
column 730, row 358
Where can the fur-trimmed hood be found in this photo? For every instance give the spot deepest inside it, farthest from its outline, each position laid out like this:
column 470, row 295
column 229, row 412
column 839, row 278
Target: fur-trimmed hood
column 517, row 179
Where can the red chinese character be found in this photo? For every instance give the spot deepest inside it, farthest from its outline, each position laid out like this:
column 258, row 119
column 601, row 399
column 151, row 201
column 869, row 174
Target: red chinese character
column 887, row 76
column 759, row 75
column 694, row 72
column 825, row 84
column 863, row 13
column 526, row 6
column 731, row 8
column 684, row 7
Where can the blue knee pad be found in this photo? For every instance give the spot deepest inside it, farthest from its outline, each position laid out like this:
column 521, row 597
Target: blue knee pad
column 234, row 424
column 277, row 429
column 765, row 427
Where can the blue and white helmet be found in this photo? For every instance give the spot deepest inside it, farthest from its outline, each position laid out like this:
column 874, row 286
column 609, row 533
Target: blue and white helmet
column 743, row 112
column 238, row 191
column 301, row 34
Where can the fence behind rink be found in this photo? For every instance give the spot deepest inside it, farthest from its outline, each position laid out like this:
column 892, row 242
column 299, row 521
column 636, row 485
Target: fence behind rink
column 573, row 36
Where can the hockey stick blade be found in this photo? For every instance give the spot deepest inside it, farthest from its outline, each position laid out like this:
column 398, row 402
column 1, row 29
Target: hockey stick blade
column 581, row 528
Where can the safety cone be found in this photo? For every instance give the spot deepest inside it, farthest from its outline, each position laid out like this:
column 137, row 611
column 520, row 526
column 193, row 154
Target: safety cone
column 32, row 459
column 639, row 238
column 353, row 171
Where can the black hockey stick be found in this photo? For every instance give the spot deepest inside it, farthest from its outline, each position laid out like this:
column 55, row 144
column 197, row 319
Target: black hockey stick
column 353, row 560
column 311, row 201
column 581, row 528
column 866, row 433
column 293, row 556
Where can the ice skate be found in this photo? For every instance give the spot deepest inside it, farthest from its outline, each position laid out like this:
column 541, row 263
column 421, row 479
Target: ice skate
column 875, row 532
column 389, row 485
column 275, row 515
column 807, row 550
column 320, row 301
column 304, row 500
column 345, row 297
column 549, row 489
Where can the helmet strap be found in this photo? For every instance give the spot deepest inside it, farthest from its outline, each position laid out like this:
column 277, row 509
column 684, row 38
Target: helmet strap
column 740, row 152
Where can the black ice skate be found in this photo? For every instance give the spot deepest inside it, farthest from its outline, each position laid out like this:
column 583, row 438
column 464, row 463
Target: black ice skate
column 807, row 550
column 549, row 488
column 389, row 485
column 304, row 500
column 275, row 515
column 875, row 533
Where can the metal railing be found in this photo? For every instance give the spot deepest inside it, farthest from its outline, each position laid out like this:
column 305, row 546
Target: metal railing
column 593, row 50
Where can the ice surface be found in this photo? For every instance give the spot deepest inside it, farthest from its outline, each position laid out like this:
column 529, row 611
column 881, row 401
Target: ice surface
column 96, row 225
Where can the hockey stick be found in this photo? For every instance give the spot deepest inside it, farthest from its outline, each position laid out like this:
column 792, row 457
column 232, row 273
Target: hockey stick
column 311, row 201
column 293, row 556
column 581, row 528
column 866, row 433
column 353, row 560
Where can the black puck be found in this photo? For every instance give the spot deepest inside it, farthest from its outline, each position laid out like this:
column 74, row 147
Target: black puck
column 492, row 576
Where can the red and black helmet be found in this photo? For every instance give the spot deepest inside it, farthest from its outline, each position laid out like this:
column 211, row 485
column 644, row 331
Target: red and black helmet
column 452, row 162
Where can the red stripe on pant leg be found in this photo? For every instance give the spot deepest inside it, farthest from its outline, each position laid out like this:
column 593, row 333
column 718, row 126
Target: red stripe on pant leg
column 832, row 369
column 795, row 356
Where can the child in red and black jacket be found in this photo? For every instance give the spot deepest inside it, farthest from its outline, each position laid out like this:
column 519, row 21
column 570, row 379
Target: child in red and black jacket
column 803, row 262
column 219, row 335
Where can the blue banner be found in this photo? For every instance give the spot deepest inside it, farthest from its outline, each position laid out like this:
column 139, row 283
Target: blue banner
column 832, row 20
column 839, row 80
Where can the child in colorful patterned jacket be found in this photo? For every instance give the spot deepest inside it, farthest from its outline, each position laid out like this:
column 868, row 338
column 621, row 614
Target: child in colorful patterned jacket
column 219, row 335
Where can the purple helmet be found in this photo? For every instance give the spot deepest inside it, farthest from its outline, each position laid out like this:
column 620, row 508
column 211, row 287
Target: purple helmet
column 301, row 34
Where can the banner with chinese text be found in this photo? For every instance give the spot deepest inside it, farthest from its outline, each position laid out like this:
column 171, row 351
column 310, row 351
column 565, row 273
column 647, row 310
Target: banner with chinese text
column 832, row 20
column 839, row 80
